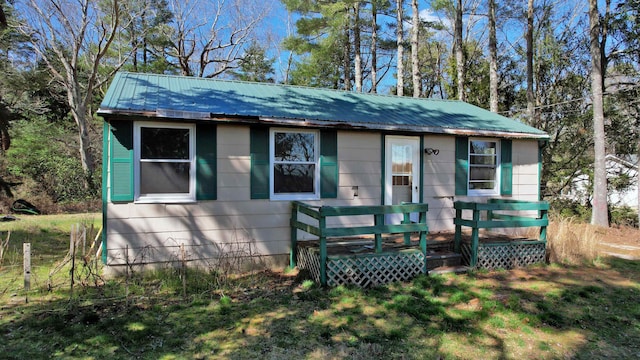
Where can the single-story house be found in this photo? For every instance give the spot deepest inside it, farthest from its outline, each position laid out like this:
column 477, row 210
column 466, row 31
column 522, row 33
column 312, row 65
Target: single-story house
column 208, row 167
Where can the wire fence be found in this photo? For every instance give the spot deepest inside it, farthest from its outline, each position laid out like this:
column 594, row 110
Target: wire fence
column 78, row 272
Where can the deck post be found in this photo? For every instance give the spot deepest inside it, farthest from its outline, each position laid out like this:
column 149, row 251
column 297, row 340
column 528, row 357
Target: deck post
column 322, row 225
column 423, row 239
column 458, row 236
column 378, row 220
column 406, row 220
column 294, row 235
column 543, row 228
column 475, row 238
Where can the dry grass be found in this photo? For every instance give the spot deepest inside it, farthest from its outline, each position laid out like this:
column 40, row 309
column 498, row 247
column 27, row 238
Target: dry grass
column 571, row 242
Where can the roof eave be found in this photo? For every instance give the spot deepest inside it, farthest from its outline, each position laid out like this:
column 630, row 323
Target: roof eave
column 192, row 115
column 406, row 128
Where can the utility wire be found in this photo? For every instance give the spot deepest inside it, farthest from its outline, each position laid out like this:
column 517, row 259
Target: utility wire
column 625, row 89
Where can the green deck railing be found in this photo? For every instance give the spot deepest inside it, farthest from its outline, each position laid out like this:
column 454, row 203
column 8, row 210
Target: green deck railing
column 319, row 214
column 494, row 218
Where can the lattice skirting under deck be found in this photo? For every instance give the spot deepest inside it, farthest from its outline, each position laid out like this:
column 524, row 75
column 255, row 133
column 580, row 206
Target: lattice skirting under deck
column 363, row 270
column 506, row 255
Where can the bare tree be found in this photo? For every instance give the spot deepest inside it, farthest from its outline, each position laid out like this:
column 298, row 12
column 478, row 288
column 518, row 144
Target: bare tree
column 459, row 51
column 209, row 37
column 356, row 46
column 72, row 37
column 599, row 215
column 400, row 45
column 415, row 64
column 493, row 58
column 3, row 19
column 529, row 40
column 374, row 47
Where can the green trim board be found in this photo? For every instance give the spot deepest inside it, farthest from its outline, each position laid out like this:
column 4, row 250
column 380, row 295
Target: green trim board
column 383, row 171
column 462, row 165
column 506, row 167
column 206, row 161
column 328, row 164
column 421, row 166
column 121, row 156
column 106, row 131
column 259, row 148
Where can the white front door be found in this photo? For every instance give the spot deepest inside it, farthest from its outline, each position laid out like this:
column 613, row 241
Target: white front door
column 402, row 173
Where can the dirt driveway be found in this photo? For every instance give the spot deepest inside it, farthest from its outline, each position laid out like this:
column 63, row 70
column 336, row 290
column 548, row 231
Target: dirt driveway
column 623, row 242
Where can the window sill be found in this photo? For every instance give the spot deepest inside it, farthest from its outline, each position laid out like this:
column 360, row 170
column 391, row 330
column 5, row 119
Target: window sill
column 165, row 201
column 483, row 193
column 305, row 197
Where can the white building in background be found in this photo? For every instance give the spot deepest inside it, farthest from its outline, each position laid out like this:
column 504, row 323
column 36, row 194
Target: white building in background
column 616, row 168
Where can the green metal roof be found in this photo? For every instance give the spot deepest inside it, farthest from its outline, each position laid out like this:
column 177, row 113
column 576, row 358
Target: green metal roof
column 160, row 96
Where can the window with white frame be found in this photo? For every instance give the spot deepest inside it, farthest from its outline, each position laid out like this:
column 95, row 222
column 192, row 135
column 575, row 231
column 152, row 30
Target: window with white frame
column 483, row 167
column 294, row 170
column 164, row 162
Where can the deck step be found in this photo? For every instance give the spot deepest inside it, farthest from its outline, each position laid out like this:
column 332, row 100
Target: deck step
column 443, row 258
column 449, row 269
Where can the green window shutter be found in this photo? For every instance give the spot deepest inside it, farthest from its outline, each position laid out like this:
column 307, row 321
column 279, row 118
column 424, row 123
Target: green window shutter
column 259, row 162
column 121, row 170
column 206, row 162
column 462, row 164
column 329, row 164
column 506, row 168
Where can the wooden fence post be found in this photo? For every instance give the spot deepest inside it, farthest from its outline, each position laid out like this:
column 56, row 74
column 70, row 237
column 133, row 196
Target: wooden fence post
column 184, row 272
column 26, row 252
column 293, row 260
column 72, row 251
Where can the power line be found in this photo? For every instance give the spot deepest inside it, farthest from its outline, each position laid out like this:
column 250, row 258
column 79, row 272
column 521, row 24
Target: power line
column 625, row 89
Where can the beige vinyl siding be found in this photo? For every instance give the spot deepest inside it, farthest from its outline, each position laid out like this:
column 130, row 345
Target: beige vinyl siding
column 525, row 170
column 438, row 182
column 235, row 223
column 439, row 175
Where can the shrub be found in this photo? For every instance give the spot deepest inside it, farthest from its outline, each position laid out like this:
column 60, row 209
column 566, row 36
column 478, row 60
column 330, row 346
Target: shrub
column 568, row 208
column 624, row 216
column 44, row 157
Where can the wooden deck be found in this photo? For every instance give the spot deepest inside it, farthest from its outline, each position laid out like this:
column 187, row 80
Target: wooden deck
column 381, row 253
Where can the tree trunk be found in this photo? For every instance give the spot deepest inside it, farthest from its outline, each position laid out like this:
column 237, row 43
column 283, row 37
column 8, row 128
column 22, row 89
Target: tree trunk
column 529, row 39
column 460, row 66
column 415, row 70
column 374, row 45
column 356, row 46
column 599, row 215
column 493, row 58
column 346, row 61
column 400, row 55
